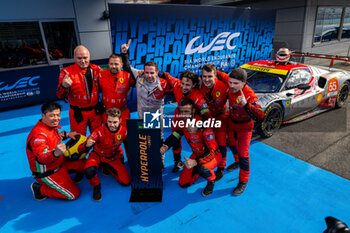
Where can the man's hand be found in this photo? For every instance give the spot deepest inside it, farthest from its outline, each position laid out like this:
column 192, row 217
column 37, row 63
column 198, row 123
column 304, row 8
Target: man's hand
column 67, row 81
column 190, row 163
column 60, row 148
column 125, row 47
column 241, row 99
column 73, row 135
column 90, row 142
column 140, row 73
column 164, row 149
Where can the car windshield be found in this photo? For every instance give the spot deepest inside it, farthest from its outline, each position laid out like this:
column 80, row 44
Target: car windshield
column 262, row 82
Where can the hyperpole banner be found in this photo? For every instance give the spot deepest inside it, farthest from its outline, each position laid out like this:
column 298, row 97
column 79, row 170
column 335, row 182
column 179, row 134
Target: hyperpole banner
column 179, row 37
column 145, row 162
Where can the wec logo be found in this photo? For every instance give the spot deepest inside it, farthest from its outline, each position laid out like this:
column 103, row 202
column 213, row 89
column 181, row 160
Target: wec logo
column 216, row 44
column 21, row 83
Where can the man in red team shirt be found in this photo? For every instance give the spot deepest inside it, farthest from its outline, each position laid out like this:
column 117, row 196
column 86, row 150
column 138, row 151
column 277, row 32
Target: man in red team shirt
column 106, row 141
column 79, row 83
column 215, row 92
column 205, row 156
column 46, row 160
column 115, row 86
column 186, row 88
column 244, row 109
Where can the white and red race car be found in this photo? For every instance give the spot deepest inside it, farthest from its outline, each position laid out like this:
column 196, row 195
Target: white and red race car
column 291, row 92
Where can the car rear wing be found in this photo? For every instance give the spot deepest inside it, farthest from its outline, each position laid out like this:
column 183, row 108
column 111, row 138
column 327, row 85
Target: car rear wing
column 322, row 56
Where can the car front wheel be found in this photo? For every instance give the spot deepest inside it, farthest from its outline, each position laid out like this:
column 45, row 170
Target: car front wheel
column 271, row 122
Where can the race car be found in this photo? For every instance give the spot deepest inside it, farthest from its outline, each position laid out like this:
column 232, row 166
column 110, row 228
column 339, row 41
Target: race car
column 290, row 92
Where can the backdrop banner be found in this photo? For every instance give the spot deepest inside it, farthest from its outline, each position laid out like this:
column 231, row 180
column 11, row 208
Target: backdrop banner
column 28, row 86
column 180, row 37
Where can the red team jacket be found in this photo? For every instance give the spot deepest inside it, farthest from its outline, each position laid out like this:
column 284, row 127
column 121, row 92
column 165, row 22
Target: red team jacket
column 107, row 143
column 243, row 116
column 41, row 143
column 115, row 88
column 78, row 94
column 195, row 95
column 201, row 142
column 216, row 97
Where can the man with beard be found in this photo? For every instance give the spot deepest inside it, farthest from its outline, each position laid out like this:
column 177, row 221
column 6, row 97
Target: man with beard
column 115, row 86
column 106, row 141
column 205, row 156
column 186, row 88
column 151, row 90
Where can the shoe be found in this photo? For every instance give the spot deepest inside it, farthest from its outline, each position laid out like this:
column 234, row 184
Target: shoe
column 35, row 187
column 219, row 173
column 105, row 171
column 208, row 189
column 78, row 177
column 177, row 166
column 240, row 188
column 233, row 166
column 97, row 196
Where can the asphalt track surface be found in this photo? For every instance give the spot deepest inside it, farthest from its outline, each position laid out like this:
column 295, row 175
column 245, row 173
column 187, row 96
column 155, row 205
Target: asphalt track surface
column 284, row 193
column 323, row 140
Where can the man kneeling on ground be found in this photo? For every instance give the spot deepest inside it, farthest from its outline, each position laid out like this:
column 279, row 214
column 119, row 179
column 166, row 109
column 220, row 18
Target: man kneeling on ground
column 106, row 141
column 46, row 160
column 205, row 156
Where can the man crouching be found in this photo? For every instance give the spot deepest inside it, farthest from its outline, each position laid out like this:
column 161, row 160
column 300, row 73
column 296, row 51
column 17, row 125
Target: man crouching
column 205, row 156
column 45, row 152
column 106, row 141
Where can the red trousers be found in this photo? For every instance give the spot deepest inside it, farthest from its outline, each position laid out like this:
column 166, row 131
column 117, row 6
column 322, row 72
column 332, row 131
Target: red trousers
column 89, row 119
column 189, row 176
column 221, row 137
column 241, row 138
column 177, row 150
column 59, row 184
column 115, row 167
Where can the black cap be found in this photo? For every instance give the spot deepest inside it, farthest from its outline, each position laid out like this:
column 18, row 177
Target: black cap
column 239, row 74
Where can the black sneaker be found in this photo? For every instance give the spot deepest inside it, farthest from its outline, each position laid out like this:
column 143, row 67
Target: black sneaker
column 219, row 173
column 105, row 171
column 35, row 187
column 233, row 166
column 239, row 189
column 78, row 177
column 177, row 166
column 208, row 189
column 97, row 196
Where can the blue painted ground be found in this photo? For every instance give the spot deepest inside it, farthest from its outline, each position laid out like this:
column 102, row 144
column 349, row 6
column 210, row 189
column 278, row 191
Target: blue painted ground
column 283, row 195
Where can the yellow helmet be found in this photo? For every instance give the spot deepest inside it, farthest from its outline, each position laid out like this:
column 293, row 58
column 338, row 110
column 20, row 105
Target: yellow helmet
column 72, row 145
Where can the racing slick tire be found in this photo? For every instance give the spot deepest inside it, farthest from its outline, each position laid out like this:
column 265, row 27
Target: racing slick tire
column 271, row 122
column 343, row 95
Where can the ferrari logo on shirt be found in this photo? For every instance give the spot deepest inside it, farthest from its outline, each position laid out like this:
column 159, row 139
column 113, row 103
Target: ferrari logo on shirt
column 217, row 94
column 119, row 136
column 121, row 80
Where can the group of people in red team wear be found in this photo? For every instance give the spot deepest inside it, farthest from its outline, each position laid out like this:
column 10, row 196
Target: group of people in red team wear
column 198, row 98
